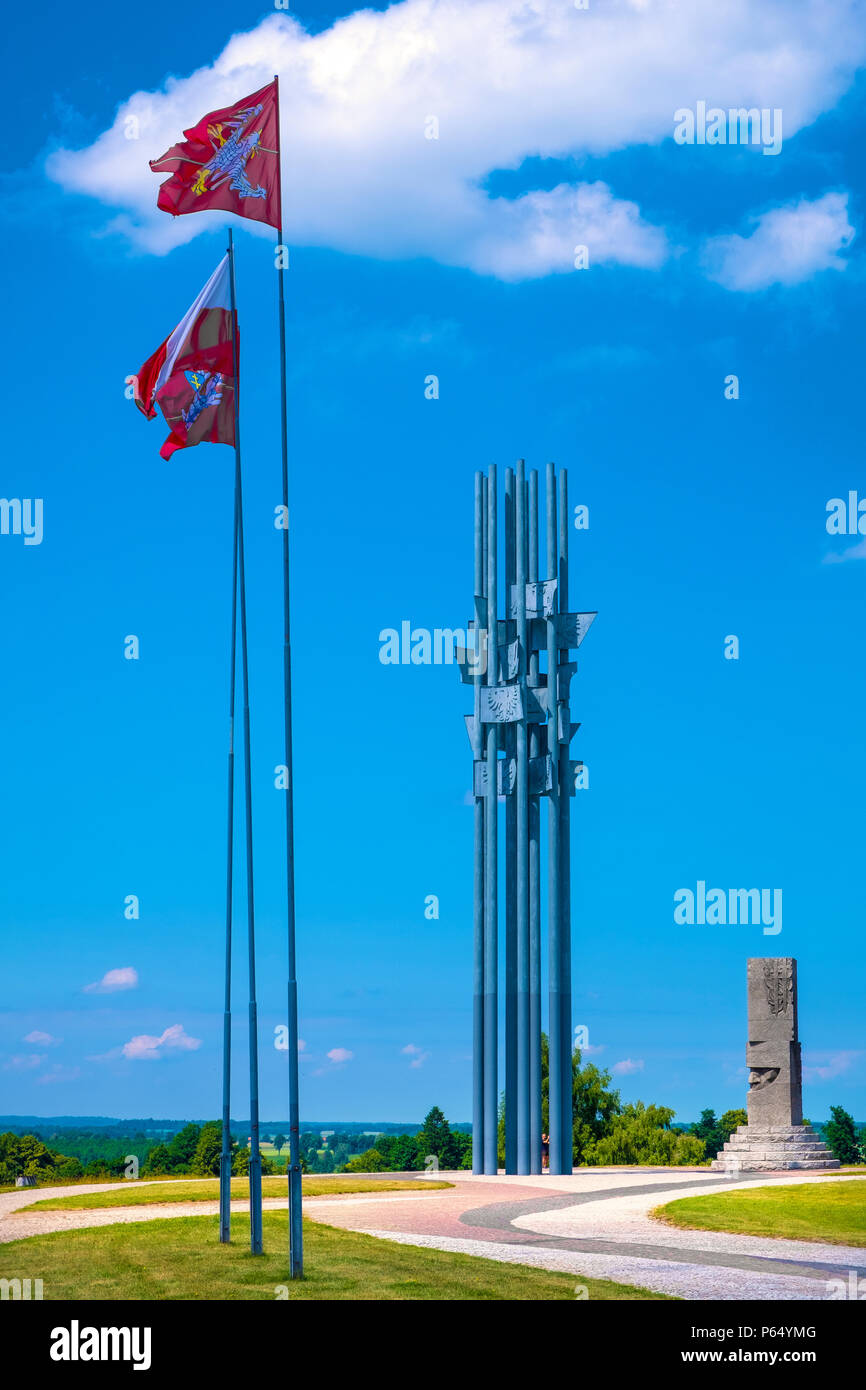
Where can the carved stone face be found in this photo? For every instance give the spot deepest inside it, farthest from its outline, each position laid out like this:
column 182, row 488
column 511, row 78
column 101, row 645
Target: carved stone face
column 759, row 1077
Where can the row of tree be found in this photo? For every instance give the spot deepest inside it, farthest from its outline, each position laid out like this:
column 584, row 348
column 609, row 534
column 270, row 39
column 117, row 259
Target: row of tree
column 411, row 1153
column 25, row 1155
column 605, row 1131
column 196, row 1149
column 329, row 1153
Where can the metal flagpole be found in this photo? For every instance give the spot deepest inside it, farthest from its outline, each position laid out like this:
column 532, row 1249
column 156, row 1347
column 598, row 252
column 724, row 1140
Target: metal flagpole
column 255, row 1155
column 296, row 1249
column 491, row 957
column 226, row 1154
column 480, row 639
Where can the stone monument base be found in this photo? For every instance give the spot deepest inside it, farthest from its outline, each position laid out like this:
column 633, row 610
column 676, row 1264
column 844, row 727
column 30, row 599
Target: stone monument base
column 767, row 1148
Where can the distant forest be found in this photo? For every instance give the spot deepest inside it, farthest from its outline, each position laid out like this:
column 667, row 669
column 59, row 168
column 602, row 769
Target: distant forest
column 94, row 1147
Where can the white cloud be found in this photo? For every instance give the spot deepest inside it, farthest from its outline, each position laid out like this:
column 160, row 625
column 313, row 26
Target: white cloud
column 418, row 1055
column 853, row 552
column 507, row 80
column 627, row 1066
column 340, row 1054
column 829, row 1065
column 24, row 1062
column 145, row 1047
column 40, row 1039
column 113, row 980
column 58, row 1073
column 788, row 245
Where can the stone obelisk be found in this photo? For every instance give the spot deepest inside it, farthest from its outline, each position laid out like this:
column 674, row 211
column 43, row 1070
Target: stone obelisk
column 775, row 1136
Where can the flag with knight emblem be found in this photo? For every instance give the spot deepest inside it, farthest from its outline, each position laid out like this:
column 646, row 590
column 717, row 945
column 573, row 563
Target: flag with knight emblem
column 230, row 161
column 191, row 376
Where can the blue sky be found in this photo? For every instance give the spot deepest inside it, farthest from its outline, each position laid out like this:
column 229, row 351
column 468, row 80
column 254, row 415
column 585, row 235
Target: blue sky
column 452, row 257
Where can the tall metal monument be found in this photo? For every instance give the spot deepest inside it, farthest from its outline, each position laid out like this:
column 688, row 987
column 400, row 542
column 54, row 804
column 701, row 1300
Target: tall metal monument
column 521, row 732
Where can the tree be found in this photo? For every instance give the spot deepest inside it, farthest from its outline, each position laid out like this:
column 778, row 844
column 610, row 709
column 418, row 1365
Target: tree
column 206, row 1159
column 840, row 1134
column 461, row 1148
column 731, row 1121
column 642, row 1134
column 68, row 1169
column 370, row 1161
column 708, row 1129
column 402, row 1152
column 182, row 1149
column 158, row 1161
column 279, row 1142
column 25, row 1155
column 434, row 1137
column 593, row 1104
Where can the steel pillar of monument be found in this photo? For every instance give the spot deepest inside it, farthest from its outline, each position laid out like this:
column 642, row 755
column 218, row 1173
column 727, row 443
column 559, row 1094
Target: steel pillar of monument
column 517, row 661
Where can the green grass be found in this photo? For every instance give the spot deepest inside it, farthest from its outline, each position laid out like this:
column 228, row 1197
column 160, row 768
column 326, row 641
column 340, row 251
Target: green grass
column 834, row 1212
column 207, row 1190
column 180, row 1258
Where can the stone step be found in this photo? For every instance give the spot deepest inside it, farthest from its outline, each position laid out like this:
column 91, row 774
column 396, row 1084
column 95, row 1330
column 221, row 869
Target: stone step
column 791, row 1144
column 777, row 1131
column 768, row 1148
column 773, row 1165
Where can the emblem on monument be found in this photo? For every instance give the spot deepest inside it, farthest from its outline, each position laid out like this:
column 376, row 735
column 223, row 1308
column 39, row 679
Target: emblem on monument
column 779, row 984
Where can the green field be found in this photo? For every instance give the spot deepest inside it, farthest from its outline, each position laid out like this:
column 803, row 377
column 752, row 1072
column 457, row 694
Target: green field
column 207, row 1190
column 180, row 1258
column 834, row 1212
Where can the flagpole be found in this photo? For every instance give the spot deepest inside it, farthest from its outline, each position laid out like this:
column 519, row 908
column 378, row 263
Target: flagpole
column 226, row 1154
column 255, row 1172
column 296, row 1249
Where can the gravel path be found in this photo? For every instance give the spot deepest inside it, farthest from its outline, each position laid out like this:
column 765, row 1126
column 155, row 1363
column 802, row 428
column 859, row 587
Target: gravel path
column 16, row 1221
column 596, row 1223
column 593, row 1223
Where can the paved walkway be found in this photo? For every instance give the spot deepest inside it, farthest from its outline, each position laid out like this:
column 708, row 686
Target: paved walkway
column 596, row 1223
column 593, row 1223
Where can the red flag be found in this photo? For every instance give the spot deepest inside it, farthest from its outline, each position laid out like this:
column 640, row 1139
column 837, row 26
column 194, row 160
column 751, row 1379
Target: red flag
column 191, row 376
column 230, row 160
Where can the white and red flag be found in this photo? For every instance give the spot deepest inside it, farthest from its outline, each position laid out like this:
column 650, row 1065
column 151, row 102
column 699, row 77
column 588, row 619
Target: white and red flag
column 191, row 376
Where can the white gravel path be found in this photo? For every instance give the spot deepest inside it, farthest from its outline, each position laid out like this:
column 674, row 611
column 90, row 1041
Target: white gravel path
column 626, row 1218
column 697, row 1283
column 16, row 1222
